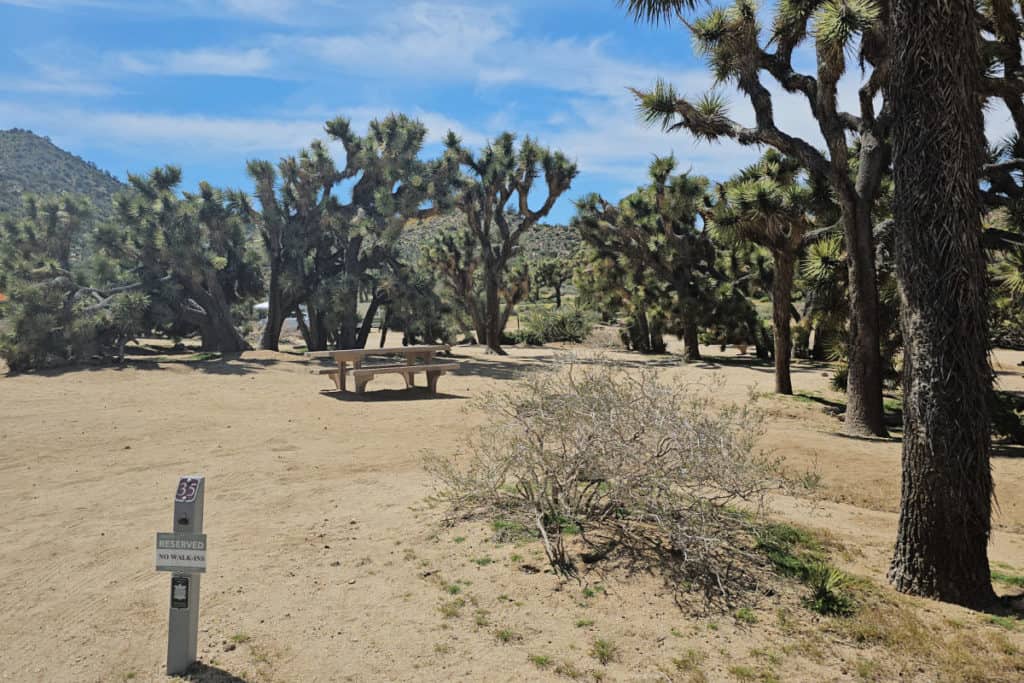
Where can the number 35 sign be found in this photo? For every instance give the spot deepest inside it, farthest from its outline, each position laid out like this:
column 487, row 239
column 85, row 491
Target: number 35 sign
column 187, row 489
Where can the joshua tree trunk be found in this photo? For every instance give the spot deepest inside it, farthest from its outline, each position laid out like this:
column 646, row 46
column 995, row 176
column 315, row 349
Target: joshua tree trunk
column 691, row 340
column 938, row 142
column 317, row 329
column 367, row 324
column 216, row 327
column 864, row 385
column 492, row 314
column 276, row 312
column 558, row 295
column 349, row 308
column 782, row 299
column 300, row 320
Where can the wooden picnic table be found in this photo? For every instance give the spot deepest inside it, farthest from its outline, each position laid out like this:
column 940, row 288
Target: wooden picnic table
column 417, row 359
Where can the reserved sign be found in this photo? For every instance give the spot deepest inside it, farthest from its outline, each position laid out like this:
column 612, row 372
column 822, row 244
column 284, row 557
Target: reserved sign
column 176, row 552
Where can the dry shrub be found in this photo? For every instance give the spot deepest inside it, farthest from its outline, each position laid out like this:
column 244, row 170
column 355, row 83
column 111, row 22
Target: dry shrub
column 627, row 462
column 605, row 337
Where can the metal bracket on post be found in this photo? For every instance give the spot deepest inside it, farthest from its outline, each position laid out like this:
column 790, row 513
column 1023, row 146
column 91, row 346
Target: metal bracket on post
column 184, row 553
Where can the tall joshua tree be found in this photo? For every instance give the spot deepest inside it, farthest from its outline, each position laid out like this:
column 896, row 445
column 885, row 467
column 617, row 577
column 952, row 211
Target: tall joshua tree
column 296, row 219
column 313, row 238
column 654, row 229
column 190, row 251
column 732, row 41
column 765, row 205
column 938, row 153
column 484, row 192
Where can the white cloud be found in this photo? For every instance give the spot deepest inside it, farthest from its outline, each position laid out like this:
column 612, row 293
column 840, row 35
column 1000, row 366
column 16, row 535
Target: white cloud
column 199, row 62
column 58, row 80
column 199, row 137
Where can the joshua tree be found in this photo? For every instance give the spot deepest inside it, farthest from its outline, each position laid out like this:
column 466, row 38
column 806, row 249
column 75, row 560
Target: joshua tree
column 297, row 217
column 483, row 193
column 766, row 205
column 190, row 252
column 553, row 272
column 938, row 153
column 732, row 41
column 54, row 316
column 655, row 228
column 312, row 238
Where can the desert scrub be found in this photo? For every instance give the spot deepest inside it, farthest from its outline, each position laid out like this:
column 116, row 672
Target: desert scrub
column 621, row 462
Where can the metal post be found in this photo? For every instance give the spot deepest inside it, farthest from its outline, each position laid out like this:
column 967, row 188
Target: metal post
column 183, row 622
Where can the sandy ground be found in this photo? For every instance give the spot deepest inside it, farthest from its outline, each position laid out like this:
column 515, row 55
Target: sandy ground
column 327, row 564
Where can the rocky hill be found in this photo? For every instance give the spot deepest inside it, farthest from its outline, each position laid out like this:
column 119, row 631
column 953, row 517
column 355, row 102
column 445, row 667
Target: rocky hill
column 31, row 163
column 542, row 241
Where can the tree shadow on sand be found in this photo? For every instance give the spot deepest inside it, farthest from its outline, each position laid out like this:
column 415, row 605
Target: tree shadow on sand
column 209, row 363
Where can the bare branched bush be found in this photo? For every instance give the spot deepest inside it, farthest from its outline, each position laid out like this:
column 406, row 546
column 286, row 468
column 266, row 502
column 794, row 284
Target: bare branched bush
column 628, row 462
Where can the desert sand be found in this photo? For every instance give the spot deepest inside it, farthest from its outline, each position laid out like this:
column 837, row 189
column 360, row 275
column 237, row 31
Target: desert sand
column 328, row 562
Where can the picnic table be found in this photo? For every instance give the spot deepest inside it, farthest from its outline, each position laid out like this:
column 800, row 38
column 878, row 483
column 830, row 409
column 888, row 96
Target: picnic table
column 417, row 359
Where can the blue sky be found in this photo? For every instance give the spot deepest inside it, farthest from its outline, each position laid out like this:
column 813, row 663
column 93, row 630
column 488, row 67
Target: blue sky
column 209, row 84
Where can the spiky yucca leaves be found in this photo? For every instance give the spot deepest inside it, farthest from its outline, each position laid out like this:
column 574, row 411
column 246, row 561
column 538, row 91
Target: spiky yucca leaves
column 741, row 54
column 552, row 272
column 653, row 233
column 323, row 252
column 457, row 259
column 491, row 190
column 611, row 281
column 656, row 11
column 766, row 204
column 54, row 316
column 191, row 252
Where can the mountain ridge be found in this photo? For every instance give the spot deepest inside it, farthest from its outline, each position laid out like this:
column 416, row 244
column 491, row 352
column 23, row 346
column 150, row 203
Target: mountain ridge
column 31, row 163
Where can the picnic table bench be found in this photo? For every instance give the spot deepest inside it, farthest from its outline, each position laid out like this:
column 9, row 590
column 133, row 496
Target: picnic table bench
column 417, row 359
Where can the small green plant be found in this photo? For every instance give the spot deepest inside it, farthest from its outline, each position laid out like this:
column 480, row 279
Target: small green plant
column 542, row 325
column 452, row 608
column 746, row 673
column 241, row 637
column 568, row 670
column 481, row 617
column 506, row 635
column 453, row 588
column 868, row 669
column 795, row 552
column 589, row 592
column 540, row 661
column 604, row 651
column 829, row 592
column 1008, row 579
column 509, row 531
column 515, row 557
column 459, row 539
column 691, row 660
column 584, row 623
column 1009, row 623
column 442, row 648
column 745, row 615
column 483, row 561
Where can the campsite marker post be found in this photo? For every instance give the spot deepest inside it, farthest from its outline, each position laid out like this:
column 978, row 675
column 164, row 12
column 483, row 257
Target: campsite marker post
column 184, row 553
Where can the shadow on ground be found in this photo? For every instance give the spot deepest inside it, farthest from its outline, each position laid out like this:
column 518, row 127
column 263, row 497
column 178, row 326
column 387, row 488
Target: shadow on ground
column 214, row 364
column 204, row 673
column 388, row 395
column 1006, row 450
